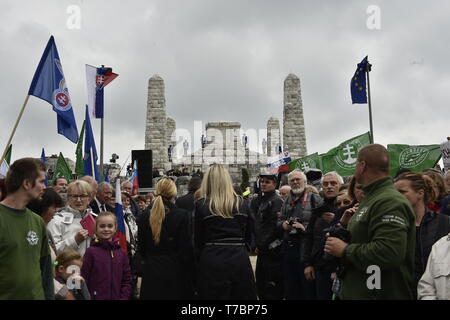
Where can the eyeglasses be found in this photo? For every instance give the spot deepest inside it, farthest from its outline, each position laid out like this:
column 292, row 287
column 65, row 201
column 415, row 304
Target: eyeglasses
column 81, row 196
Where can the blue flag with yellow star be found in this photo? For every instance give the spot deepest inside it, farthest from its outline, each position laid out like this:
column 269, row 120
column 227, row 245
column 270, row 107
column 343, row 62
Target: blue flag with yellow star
column 358, row 84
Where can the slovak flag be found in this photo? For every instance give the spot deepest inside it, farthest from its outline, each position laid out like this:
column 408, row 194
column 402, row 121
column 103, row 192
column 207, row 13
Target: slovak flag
column 118, row 210
column 97, row 79
column 134, row 180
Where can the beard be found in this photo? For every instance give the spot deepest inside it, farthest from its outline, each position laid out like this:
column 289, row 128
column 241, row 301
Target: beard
column 298, row 190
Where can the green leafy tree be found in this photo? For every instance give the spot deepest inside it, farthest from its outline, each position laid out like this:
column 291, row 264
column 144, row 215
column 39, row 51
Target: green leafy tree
column 245, row 180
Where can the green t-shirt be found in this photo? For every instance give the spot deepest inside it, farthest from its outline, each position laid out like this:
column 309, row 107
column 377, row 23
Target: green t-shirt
column 23, row 242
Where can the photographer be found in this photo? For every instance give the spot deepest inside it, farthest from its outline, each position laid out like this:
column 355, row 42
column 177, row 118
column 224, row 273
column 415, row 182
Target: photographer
column 294, row 219
column 265, row 209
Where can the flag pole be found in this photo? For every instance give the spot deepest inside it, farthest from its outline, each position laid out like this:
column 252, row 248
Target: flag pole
column 15, row 127
column 92, row 163
column 101, row 148
column 369, row 68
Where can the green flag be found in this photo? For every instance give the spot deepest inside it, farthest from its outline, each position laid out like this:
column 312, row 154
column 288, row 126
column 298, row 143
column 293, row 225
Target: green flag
column 414, row 158
column 342, row 159
column 8, row 155
column 79, row 164
column 62, row 169
column 305, row 163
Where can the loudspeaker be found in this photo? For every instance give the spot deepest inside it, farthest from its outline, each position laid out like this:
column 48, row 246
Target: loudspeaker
column 144, row 163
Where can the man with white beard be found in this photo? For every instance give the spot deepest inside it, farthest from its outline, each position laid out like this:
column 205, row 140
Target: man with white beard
column 294, row 219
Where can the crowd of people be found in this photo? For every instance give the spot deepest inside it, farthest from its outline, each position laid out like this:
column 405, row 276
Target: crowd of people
column 368, row 236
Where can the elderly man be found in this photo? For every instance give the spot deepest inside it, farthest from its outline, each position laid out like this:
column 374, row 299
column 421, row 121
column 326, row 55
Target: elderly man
column 127, row 187
column 317, row 268
column 93, row 183
column 294, row 219
column 284, row 192
column 379, row 261
column 102, row 198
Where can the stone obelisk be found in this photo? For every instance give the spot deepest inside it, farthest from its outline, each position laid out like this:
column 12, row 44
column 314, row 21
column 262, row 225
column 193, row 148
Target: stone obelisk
column 155, row 130
column 294, row 138
column 273, row 136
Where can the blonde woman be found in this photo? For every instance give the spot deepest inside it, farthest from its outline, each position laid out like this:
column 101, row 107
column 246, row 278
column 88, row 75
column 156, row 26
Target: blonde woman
column 65, row 226
column 221, row 230
column 164, row 243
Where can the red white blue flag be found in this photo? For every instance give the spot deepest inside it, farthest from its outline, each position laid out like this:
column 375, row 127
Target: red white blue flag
column 121, row 231
column 97, row 79
column 134, row 180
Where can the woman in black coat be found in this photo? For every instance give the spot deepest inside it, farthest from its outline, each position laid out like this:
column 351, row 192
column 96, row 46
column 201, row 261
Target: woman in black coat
column 221, row 233
column 165, row 245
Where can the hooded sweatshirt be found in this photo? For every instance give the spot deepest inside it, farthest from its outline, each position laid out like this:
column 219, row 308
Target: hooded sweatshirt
column 107, row 271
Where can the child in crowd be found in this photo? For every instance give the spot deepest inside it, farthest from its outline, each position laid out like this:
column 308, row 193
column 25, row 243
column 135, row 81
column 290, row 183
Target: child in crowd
column 106, row 268
column 69, row 285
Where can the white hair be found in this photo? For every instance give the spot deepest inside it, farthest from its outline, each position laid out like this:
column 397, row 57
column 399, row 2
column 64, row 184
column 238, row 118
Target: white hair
column 302, row 175
column 333, row 173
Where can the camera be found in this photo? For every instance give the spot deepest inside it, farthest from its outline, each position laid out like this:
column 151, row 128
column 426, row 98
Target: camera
column 294, row 230
column 339, row 232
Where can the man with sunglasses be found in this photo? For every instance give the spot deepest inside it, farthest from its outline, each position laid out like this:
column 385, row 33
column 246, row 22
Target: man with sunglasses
column 317, row 268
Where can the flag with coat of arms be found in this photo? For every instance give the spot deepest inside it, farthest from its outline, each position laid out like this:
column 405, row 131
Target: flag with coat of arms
column 50, row 85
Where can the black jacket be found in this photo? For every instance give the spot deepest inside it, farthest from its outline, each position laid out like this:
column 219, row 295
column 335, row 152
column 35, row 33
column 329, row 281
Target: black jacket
column 186, row 202
column 224, row 268
column 168, row 268
column 265, row 210
column 432, row 227
column 315, row 237
column 94, row 206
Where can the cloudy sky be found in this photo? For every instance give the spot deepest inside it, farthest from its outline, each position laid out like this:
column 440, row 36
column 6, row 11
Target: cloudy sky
column 227, row 60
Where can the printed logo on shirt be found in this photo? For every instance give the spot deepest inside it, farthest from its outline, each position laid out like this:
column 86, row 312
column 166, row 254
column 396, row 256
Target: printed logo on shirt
column 392, row 218
column 362, row 211
column 32, row 238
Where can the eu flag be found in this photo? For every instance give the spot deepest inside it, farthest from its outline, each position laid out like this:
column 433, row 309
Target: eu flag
column 90, row 152
column 358, row 84
column 50, row 85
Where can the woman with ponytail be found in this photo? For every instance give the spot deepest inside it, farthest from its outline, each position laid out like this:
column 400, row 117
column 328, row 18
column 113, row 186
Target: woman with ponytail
column 221, row 234
column 419, row 190
column 164, row 243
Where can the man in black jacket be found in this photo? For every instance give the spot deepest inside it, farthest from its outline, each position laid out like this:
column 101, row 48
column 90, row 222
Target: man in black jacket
column 317, row 268
column 265, row 210
column 187, row 201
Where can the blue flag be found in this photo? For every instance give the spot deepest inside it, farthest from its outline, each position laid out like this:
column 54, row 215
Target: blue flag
column 107, row 175
column 89, row 149
column 43, row 162
column 358, row 84
column 49, row 84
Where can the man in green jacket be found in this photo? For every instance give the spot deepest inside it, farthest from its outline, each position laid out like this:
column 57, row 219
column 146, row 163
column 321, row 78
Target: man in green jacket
column 379, row 261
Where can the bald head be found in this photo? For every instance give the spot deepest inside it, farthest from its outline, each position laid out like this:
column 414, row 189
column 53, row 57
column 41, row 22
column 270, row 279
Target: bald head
column 376, row 158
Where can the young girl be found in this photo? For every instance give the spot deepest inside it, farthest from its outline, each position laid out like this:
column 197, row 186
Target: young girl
column 69, row 285
column 105, row 267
